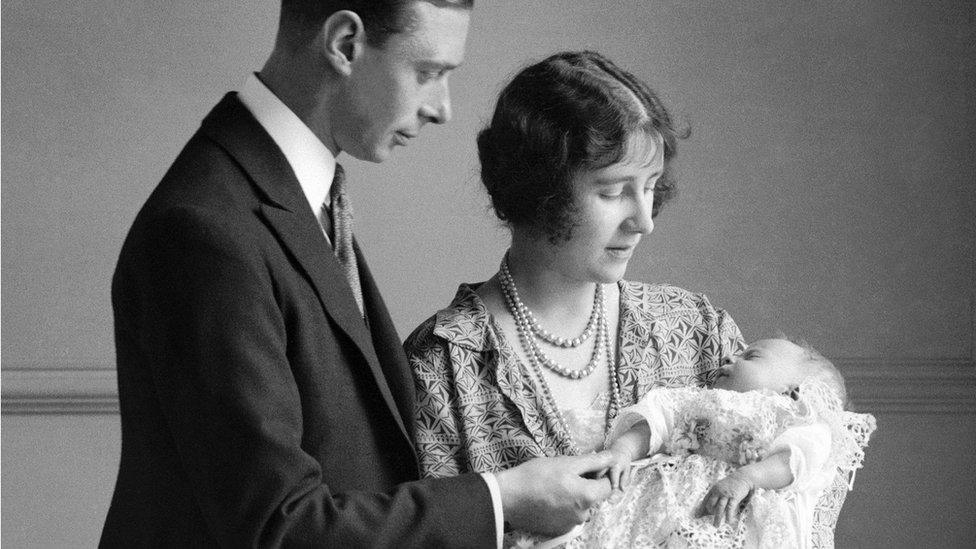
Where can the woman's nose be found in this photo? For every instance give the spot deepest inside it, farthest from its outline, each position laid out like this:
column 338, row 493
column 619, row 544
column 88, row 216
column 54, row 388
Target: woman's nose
column 642, row 221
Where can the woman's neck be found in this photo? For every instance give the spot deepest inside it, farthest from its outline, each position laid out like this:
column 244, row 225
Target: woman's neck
column 553, row 297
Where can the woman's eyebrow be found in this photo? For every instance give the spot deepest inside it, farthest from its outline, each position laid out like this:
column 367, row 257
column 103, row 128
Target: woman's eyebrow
column 614, row 180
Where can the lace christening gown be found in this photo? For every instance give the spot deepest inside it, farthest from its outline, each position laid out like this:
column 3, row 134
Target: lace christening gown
column 706, row 434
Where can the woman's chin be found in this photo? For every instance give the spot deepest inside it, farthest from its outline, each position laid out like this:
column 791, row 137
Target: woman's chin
column 612, row 273
column 610, row 278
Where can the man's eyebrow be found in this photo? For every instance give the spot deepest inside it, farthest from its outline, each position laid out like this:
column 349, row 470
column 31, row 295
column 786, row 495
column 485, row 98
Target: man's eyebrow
column 443, row 65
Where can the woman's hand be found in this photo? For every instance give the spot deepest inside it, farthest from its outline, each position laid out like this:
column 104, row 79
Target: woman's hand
column 726, row 498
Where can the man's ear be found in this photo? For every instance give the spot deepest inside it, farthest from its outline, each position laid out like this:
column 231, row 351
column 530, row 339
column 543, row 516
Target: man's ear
column 343, row 39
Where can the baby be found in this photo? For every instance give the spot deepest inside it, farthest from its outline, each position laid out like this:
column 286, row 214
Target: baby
column 742, row 464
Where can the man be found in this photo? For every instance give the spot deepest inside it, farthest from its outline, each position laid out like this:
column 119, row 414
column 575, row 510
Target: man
column 264, row 394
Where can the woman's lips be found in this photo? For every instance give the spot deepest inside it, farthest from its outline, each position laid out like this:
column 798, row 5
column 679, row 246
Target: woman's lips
column 623, row 252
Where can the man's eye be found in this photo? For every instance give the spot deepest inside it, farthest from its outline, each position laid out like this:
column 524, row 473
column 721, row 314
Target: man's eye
column 426, row 76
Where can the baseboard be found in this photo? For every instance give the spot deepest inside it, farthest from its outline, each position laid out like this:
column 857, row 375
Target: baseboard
column 874, row 385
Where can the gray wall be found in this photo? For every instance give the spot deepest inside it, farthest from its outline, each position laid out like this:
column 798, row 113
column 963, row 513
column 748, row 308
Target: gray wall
column 827, row 191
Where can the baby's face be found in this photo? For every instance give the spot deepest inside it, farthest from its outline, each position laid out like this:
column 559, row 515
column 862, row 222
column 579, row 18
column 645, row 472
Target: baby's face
column 773, row 364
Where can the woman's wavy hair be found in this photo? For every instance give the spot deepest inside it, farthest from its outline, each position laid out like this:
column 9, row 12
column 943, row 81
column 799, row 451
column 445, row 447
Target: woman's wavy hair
column 570, row 113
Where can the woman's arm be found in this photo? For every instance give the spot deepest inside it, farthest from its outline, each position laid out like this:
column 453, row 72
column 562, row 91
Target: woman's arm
column 437, row 431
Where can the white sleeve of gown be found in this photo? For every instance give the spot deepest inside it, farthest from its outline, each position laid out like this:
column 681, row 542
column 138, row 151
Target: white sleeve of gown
column 809, row 447
column 657, row 409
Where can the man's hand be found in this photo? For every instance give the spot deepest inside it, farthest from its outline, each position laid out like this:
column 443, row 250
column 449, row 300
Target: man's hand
column 549, row 496
column 726, row 498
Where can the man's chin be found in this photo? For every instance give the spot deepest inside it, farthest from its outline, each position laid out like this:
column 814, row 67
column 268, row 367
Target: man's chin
column 377, row 156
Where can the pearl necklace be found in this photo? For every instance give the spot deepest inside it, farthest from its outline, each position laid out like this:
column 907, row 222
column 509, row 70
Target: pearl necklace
column 517, row 308
column 549, row 337
column 522, row 315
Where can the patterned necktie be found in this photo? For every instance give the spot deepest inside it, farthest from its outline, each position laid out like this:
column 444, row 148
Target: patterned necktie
column 342, row 233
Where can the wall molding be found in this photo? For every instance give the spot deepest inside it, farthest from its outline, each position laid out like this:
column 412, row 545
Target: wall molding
column 940, row 386
column 937, row 386
column 59, row 390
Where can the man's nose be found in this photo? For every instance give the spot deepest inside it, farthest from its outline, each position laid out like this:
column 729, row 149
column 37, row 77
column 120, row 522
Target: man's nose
column 438, row 108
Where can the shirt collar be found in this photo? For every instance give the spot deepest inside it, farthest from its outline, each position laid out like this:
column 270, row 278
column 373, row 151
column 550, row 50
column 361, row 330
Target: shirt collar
column 312, row 162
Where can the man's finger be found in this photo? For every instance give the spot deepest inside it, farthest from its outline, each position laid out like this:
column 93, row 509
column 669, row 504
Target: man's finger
column 592, row 463
column 710, row 503
column 720, row 511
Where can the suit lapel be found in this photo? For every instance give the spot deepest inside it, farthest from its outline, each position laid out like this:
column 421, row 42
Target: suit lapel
column 286, row 211
column 386, row 342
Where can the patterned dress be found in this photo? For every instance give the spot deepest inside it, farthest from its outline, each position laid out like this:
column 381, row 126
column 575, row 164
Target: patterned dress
column 478, row 408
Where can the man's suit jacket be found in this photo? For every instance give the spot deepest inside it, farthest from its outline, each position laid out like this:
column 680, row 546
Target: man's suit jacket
column 257, row 407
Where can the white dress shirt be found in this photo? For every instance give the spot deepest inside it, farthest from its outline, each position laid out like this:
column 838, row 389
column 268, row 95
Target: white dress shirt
column 314, row 167
column 309, row 158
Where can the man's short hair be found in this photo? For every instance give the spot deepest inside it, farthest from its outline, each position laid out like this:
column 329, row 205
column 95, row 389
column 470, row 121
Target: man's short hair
column 302, row 19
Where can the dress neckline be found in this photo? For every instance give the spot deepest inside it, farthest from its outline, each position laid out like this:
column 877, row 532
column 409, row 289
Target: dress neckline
column 581, row 437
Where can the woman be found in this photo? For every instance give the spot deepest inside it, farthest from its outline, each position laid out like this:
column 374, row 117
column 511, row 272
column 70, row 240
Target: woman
column 537, row 360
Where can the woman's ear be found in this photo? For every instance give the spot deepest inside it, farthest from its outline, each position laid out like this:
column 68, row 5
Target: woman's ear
column 343, row 39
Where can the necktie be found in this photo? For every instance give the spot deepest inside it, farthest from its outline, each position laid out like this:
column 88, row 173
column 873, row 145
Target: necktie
column 342, row 233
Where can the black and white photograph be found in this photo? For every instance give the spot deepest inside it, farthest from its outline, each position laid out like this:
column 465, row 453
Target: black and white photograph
column 488, row 273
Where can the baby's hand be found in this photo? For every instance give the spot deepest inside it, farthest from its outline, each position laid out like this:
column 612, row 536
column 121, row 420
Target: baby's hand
column 726, row 498
column 627, row 447
column 619, row 472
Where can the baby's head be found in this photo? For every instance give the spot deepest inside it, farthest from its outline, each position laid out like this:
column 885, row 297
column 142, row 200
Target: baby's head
column 778, row 365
